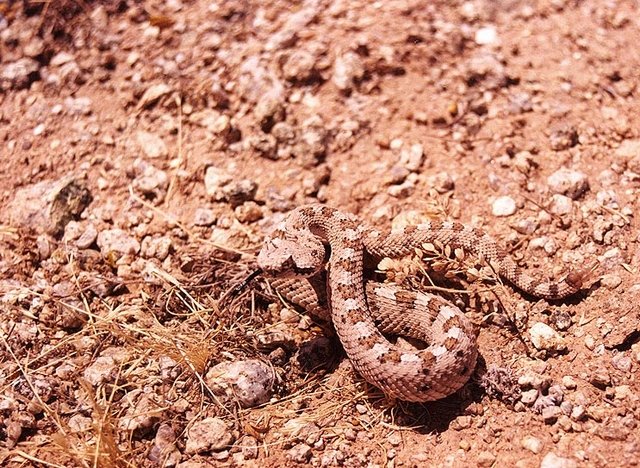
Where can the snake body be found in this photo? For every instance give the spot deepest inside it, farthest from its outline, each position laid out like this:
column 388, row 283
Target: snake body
column 314, row 237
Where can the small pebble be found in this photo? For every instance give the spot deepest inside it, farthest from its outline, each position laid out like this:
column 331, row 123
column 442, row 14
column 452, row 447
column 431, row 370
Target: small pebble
column 118, row 241
column 348, row 68
column 566, row 407
column 532, row 381
column 569, row 383
column 486, row 36
column 590, row 342
column 560, row 205
column 563, row 138
column 412, row 158
column 395, row 439
column 564, row 422
column 628, row 149
column 610, row 280
column 622, row 392
column 561, row 318
column 578, row 413
column 568, row 182
column 151, row 145
column 600, row 378
column 204, row 217
column 545, row 337
column 503, row 206
column 250, row 382
column 551, row 460
column 248, row 212
column 550, row 414
column 39, row 130
column 210, row 434
column 529, row 397
column 300, row 453
column 532, row 444
column 622, row 362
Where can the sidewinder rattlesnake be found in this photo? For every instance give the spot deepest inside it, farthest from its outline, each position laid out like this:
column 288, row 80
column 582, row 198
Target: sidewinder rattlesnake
column 313, row 236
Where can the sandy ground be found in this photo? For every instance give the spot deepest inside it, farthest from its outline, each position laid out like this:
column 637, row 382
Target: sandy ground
column 148, row 147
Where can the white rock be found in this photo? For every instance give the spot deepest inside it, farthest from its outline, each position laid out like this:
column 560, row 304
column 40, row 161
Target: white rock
column 568, row 182
column 560, row 204
column 214, row 179
column 151, row 144
column 79, row 423
column 412, row 158
column 18, row 74
column 204, row 217
column 210, row 434
column 149, row 179
column 503, row 206
column 39, row 129
column 249, row 382
column 611, row 280
column 119, row 241
column 300, row 453
column 78, row 106
column 61, row 58
column 551, row 460
column 532, row 444
column 142, row 413
column 88, row 237
column 628, row 149
column 569, row 382
column 346, row 70
column 153, row 94
column 529, row 397
column 164, row 451
column 104, row 369
column 156, row 247
column 486, row 36
column 545, row 337
column 578, row 413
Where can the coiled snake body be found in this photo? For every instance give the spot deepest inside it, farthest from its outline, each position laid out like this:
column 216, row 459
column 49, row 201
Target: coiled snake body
column 315, row 236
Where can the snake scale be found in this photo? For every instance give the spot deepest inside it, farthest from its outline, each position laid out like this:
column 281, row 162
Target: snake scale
column 314, row 237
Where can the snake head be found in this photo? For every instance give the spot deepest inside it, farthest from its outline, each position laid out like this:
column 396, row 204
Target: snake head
column 283, row 255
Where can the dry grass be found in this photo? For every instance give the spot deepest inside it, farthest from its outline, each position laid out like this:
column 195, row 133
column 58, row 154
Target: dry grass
column 192, row 333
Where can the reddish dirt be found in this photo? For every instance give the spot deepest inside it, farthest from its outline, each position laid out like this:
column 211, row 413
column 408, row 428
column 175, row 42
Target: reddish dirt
column 298, row 102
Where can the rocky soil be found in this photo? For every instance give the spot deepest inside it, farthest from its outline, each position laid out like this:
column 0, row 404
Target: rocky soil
column 148, row 146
